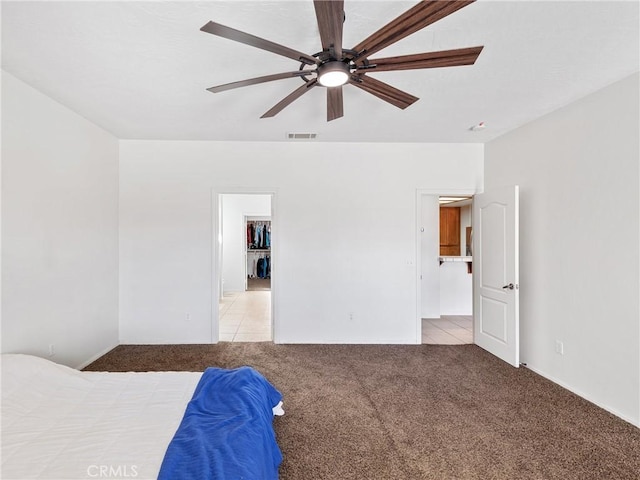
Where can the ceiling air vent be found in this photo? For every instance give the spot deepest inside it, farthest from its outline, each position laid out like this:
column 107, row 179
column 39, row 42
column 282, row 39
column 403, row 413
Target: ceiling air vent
column 302, row 136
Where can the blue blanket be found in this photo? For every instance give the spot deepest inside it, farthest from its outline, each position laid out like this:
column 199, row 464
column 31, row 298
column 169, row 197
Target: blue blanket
column 227, row 430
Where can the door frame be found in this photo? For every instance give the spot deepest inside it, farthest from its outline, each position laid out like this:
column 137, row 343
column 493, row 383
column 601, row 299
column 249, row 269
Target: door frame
column 441, row 192
column 216, row 253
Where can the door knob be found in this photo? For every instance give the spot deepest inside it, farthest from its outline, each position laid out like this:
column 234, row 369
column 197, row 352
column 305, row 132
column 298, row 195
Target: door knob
column 510, row 286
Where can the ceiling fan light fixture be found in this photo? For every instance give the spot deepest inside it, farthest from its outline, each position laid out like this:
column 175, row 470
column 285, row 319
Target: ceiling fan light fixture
column 333, row 73
column 335, row 66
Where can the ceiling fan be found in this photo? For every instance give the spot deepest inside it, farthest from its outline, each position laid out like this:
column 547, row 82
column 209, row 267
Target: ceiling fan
column 336, row 66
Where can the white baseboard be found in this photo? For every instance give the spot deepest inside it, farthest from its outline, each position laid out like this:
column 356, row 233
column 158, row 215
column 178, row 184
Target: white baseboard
column 632, row 421
column 95, row 357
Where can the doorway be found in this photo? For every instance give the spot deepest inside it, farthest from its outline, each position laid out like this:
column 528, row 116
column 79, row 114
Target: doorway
column 445, row 307
column 258, row 252
column 245, row 263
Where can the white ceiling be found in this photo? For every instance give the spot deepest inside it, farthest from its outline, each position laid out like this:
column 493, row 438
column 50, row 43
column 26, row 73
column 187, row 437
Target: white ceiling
column 140, row 69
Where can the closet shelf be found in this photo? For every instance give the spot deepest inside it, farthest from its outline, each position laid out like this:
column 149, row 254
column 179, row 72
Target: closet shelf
column 258, row 250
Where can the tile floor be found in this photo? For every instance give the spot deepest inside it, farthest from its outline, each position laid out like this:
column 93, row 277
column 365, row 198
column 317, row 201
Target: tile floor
column 448, row 330
column 246, row 317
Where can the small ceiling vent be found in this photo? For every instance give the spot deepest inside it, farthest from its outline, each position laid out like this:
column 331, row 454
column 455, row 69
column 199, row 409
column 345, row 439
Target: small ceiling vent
column 302, row 136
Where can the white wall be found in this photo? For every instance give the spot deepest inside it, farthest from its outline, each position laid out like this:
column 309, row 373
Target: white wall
column 578, row 171
column 456, row 289
column 59, row 229
column 345, row 217
column 234, row 209
column 430, row 244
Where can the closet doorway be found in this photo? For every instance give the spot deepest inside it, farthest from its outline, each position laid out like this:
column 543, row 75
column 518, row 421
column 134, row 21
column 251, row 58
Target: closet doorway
column 258, row 251
column 246, row 264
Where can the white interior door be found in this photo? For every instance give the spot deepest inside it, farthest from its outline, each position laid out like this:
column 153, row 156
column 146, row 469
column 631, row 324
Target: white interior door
column 495, row 273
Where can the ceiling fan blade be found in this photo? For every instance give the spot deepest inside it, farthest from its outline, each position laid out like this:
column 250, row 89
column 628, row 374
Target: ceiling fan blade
column 330, row 16
column 248, row 39
column 286, row 101
column 444, row 58
column 335, row 105
column 384, row 91
column 254, row 81
column 424, row 13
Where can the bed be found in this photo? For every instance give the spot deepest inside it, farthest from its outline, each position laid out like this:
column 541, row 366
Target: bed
column 60, row 423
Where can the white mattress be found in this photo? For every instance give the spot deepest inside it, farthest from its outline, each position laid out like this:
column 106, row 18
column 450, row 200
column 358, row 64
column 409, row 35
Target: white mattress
column 59, row 423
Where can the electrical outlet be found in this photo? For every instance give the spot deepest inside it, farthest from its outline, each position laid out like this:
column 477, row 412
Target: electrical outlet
column 188, row 316
column 351, row 316
column 52, row 350
column 559, row 347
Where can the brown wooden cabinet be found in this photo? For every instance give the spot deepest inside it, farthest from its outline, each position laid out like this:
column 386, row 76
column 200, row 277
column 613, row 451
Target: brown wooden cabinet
column 449, row 231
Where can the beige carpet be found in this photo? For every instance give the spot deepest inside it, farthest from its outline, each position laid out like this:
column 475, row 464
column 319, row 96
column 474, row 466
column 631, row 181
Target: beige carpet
column 415, row 412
